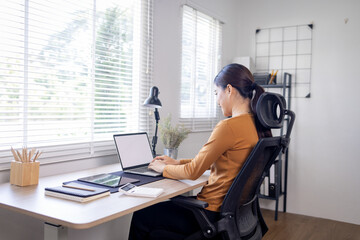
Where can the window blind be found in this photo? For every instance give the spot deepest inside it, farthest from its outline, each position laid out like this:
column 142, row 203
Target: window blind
column 72, row 74
column 201, row 59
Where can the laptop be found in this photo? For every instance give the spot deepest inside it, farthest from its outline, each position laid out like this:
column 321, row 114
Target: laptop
column 135, row 153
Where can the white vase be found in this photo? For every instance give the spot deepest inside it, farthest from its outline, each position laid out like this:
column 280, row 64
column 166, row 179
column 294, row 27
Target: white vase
column 171, row 152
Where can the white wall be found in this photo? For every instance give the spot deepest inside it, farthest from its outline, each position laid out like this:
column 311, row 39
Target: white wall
column 324, row 158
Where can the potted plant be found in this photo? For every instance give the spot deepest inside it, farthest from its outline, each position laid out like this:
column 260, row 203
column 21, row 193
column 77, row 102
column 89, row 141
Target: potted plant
column 172, row 136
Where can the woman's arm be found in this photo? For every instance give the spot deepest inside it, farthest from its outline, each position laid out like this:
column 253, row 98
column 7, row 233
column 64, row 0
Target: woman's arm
column 158, row 163
column 220, row 140
column 184, row 161
column 166, row 160
column 170, row 161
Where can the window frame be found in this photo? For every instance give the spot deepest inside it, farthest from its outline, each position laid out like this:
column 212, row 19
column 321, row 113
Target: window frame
column 93, row 148
column 201, row 124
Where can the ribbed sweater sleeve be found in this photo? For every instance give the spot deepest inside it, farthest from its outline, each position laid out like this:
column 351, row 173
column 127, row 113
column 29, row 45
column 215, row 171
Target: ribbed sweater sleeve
column 220, row 140
column 184, row 161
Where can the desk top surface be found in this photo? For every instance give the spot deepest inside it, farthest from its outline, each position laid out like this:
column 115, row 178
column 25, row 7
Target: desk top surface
column 31, row 200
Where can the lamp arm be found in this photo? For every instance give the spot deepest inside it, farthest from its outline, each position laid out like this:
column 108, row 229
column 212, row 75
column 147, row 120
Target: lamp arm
column 154, row 140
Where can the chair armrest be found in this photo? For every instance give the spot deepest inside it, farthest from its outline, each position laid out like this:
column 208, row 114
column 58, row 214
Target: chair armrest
column 198, row 209
column 189, row 202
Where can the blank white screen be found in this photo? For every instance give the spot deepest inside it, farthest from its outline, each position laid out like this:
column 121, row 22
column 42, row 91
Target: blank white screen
column 133, row 149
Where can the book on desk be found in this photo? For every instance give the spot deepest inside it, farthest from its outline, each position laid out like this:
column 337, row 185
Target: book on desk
column 77, row 192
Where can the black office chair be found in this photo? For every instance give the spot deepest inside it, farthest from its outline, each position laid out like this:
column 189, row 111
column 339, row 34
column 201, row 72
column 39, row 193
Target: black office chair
column 240, row 212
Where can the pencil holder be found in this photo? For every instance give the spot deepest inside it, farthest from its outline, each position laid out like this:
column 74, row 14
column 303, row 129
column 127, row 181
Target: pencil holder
column 24, row 173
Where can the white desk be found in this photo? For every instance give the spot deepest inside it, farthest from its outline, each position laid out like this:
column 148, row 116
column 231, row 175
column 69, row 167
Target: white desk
column 59, row 214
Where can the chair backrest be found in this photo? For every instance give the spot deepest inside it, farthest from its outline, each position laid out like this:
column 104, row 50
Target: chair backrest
column 270, row 111
column 244, row 186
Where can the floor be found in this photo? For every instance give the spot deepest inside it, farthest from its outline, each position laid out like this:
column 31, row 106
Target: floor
column 299, row 227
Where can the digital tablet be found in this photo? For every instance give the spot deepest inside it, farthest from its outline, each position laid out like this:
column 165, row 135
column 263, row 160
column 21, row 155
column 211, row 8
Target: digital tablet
column 108, row 180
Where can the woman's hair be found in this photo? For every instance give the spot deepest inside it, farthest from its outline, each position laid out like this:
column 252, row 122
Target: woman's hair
column 241, row 78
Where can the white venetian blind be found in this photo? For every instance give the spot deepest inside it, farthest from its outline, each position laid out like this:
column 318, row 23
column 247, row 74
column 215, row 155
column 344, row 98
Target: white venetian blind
column 201, row 59
column 72, row 74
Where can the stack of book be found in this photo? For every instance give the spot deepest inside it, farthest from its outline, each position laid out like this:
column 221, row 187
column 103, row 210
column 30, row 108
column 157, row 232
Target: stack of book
column 77, row 192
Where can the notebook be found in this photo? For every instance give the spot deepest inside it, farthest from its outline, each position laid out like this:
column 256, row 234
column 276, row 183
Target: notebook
column 135, row 153
column 85, row 194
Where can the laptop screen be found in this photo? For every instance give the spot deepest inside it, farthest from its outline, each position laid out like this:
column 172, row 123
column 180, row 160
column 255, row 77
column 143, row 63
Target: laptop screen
column 133, row 149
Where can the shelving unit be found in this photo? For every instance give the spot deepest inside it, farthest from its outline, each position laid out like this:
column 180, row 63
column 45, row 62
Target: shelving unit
column 280, row 187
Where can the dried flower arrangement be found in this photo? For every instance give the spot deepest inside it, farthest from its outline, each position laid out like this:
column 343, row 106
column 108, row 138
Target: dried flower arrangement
column 172, row 136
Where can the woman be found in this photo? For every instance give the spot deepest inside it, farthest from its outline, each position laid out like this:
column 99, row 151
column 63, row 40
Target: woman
column 224, row 154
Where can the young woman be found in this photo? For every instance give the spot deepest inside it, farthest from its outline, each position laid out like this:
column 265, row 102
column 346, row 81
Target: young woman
column 224, row 154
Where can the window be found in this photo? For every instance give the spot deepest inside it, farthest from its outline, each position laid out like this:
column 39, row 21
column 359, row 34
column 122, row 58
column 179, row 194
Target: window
column 73, row 73
column 201, row 47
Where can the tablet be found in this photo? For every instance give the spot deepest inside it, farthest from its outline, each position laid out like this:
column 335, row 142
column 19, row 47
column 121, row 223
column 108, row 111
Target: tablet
column 108, row 180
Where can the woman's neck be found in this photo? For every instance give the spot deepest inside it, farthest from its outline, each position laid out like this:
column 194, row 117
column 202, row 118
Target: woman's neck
column 239, row 113
column 241, row 108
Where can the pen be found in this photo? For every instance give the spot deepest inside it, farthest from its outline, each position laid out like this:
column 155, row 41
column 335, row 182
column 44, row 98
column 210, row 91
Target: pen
column 80, row 188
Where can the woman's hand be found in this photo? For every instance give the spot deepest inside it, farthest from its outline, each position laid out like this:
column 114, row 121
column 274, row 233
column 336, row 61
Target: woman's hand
column 166, row 160
column 157, row 166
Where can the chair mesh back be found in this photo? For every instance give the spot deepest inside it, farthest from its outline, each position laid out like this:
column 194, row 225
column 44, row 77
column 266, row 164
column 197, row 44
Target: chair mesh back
column 247, row 182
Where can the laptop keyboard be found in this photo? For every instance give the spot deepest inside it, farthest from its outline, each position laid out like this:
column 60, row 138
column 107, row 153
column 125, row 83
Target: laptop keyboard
column 142, row 169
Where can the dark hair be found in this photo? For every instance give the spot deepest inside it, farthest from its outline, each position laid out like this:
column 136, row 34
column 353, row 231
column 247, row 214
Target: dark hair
column 241, row 78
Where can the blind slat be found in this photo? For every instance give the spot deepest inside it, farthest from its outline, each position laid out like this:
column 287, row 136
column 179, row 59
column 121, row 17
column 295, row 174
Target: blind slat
column 201, row 51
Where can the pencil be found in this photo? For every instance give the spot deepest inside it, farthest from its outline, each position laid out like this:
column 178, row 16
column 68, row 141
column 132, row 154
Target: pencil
column 37, row 155
column 32, row 154
column 19, row 155
column 80, row 188
column 15, row 155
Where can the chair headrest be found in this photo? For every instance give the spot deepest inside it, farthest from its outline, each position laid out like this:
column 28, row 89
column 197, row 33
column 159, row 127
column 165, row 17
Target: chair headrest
column 270, row 110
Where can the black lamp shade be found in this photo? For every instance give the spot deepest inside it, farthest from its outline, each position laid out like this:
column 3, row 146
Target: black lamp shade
column 153, row 100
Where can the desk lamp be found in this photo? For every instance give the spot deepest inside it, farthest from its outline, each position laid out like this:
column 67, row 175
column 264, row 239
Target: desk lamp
column 154, row 102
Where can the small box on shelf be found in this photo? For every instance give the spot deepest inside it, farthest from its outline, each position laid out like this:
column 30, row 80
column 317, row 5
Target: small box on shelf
column 265, row 78
column 262, row 78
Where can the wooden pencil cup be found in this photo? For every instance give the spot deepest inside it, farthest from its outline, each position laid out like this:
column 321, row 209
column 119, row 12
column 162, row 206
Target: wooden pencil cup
column 24, row 173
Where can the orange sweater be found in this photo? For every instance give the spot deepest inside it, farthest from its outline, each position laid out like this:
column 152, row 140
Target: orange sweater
column 225, row 153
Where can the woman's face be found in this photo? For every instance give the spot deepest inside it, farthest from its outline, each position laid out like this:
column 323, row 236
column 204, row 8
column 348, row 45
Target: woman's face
column 222, row 99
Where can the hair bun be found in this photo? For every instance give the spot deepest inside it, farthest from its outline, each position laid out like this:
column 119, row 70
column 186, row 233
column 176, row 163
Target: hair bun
column 254, row 85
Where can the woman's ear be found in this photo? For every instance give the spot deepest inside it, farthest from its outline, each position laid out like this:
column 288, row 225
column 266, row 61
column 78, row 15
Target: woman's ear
column 229, row 88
